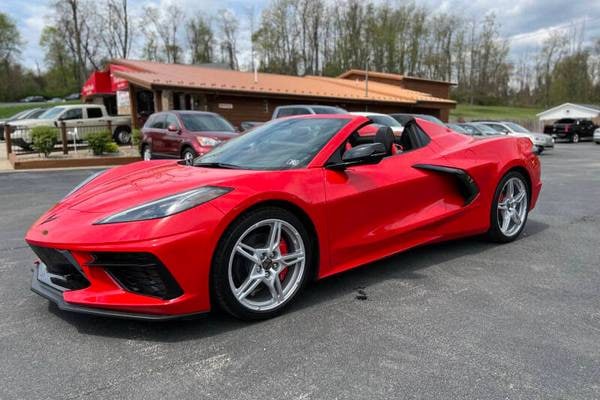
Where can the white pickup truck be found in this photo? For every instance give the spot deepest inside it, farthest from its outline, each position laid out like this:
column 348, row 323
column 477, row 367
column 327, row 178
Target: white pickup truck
column 79, row 119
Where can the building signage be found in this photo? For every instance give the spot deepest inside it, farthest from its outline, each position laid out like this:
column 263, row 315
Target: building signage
column 226, row 106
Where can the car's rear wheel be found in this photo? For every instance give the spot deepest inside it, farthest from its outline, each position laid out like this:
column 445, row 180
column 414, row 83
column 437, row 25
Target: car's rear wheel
column 146, row 153
column 510, row 208
column 123, row 135
column 188, row 154
column 261, row 264
column 575, row 138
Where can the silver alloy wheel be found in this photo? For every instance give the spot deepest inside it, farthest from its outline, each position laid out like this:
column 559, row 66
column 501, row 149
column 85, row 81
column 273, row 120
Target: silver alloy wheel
column 512, row 206
column 124, row 136
column 147, row 154
column 188, row 157
column 262, row 286
column 575, row 138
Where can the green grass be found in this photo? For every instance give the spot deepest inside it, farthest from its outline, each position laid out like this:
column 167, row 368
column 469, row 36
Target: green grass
column 10, row 109
column 472, row 112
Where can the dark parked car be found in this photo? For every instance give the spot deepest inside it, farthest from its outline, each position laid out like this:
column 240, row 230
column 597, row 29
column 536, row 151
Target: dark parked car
column 183, row 134
column 32, row 113
column 573, row 129
column 404, row 118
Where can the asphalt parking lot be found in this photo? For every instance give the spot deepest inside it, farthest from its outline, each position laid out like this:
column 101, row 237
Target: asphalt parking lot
column 464, row 319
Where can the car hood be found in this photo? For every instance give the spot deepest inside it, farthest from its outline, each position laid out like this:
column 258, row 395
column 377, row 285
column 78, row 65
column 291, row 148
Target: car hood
column 134, row 184
column 221, row 135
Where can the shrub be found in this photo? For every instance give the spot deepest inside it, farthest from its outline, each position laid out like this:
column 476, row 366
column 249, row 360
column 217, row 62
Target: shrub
column 98, row 142
column 111, row 147
column 44, row 139
column 136, row 137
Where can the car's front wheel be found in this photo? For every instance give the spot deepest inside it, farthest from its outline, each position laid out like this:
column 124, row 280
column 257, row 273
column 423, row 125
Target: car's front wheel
column 188, row 154
column 510, row 208
column 262, row 262
column 575, row 138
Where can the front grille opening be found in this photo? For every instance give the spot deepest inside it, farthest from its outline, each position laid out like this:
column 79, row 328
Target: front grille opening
column 62, row 266
column 141, row 273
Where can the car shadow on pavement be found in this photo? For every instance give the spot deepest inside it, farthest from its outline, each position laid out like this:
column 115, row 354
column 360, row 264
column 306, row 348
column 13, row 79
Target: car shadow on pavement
column 405, row 266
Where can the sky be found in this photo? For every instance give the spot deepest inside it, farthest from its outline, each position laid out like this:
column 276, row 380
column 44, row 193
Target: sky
column 525, row 23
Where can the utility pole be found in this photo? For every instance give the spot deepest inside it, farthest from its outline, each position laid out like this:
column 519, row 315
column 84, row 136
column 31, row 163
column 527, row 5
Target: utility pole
column 367, row 77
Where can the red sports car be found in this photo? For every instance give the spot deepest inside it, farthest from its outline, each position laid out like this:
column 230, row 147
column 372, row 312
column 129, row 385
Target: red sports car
column 248, row 224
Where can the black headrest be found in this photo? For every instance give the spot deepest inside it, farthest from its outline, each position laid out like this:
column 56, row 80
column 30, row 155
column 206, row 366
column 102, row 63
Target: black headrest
column 385, row 135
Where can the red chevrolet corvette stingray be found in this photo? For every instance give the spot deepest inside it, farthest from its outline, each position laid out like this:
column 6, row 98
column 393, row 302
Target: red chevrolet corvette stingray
column 248, row 224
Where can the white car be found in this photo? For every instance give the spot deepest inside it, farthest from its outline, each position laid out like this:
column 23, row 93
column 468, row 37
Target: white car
column 382, row 119
column 541, row 141
column 597, row 136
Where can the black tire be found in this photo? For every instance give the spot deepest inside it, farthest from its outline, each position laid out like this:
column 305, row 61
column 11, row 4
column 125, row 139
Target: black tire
column 122, row 135
column 188, row 153
column 221, row 291
column 575, row 138
column 495, row 234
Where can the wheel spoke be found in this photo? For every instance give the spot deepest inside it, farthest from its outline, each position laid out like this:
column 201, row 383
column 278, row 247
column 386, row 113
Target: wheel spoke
column 248, row 251
column 510, row 189
column 274, row 285
column 251, row 282
column 274, row 236
column 519, row 197
column 503, row 205
column 516, row 218
column 292, row 258
column 505, row 221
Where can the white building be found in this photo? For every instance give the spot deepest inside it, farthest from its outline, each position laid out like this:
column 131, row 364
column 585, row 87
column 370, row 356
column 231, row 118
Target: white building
column 570, row 110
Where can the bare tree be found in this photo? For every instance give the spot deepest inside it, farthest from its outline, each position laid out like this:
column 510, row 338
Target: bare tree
column 117, row 33
column 163, row 26
column 228, row 29
column 200, row 39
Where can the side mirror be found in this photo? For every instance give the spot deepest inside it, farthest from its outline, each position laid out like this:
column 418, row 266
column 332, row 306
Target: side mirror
column 370, row 153
column 173, row 128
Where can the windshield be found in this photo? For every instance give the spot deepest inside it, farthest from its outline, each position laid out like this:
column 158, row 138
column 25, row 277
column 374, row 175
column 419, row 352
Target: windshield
column 516, row 127
column 205, row 122
column 52, row 113
column 277, row 145
column 385, row 120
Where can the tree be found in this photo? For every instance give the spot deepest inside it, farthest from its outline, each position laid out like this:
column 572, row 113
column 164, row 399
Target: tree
column 10, row 40
column 117, row 33
column 228, row 28
column 161, row 31
column 201, row 40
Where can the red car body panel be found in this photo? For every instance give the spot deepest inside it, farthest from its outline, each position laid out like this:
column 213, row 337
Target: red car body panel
column 358, row 215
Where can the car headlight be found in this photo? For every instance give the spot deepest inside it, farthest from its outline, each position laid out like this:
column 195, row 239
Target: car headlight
column 85, row 182
column 206, row 141
column 167, row 205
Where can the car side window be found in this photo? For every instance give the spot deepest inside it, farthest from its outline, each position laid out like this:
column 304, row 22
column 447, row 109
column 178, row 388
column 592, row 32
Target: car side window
column 158, row 121
column 171, row 120
column 73, row 113
column 94, row 112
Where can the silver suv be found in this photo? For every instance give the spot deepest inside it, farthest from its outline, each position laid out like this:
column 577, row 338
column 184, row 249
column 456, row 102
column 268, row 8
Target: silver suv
column 301, row 109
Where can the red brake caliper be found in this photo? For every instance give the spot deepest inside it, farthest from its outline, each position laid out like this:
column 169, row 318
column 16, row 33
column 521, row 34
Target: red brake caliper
column 283, row 249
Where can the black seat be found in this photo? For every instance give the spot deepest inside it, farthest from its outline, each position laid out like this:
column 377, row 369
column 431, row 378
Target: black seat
column 385, row 136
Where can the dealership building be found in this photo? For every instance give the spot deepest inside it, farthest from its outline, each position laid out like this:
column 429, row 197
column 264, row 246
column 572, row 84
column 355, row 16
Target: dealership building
column 140, row 88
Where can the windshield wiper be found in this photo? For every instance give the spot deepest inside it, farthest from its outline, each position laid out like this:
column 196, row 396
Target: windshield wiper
column 216, row 165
